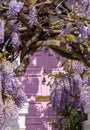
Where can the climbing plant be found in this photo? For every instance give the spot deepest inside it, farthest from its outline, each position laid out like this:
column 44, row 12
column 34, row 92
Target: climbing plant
column 27, row 26
column 70, row 93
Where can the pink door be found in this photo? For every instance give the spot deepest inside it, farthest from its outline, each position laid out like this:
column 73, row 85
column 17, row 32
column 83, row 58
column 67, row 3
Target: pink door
column 40, row 111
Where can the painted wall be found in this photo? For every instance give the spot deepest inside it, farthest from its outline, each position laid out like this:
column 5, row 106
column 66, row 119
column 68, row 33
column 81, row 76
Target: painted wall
column 39, row 112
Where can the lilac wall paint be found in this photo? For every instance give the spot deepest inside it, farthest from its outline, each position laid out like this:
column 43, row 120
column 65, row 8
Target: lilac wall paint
column 39, row 113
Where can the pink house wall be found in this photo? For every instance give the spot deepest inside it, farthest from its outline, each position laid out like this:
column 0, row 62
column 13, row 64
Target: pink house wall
column 39, row 113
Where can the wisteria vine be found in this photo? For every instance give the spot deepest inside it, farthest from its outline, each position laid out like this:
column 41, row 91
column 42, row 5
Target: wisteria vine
column 70, row 89
column 62, row 21
column 27, row 26
column 12, row 97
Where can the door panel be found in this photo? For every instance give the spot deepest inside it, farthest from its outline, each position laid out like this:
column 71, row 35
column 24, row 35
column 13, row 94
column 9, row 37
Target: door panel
column 39, row 112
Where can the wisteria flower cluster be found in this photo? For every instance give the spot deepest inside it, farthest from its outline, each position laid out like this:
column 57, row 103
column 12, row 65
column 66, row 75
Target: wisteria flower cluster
column 12, row 96
column 85, row 4
column 1, row 31
column 84, row 30
column 32, row 15
column 69, row 89
column 15, row 37
column 14, row 8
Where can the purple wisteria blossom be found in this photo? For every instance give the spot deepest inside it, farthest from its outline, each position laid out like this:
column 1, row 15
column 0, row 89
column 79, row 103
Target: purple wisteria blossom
column 78, row 66
column 12, row 96
column 59, row 97
column 15, row 37
column 32, row 15
column 14, row 8
column 71, row 88
column 20, row 98
column 1, row 31
column 67, row 30
column 15, row 40
column 85, row 4
column 84, row 30
column 85, row 96
column 11, row 109
column 12, row 84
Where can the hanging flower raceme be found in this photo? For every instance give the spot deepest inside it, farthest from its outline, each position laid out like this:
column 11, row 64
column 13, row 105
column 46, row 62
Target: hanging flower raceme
column 78, row 66
column 1, row 31
column 69, row 95
column 59, row 97
column 15, row 37
column 70, row 88
column 14, row 8
column 12, row 96
column 32, row 15
column 85, row 5
column 84, row 30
